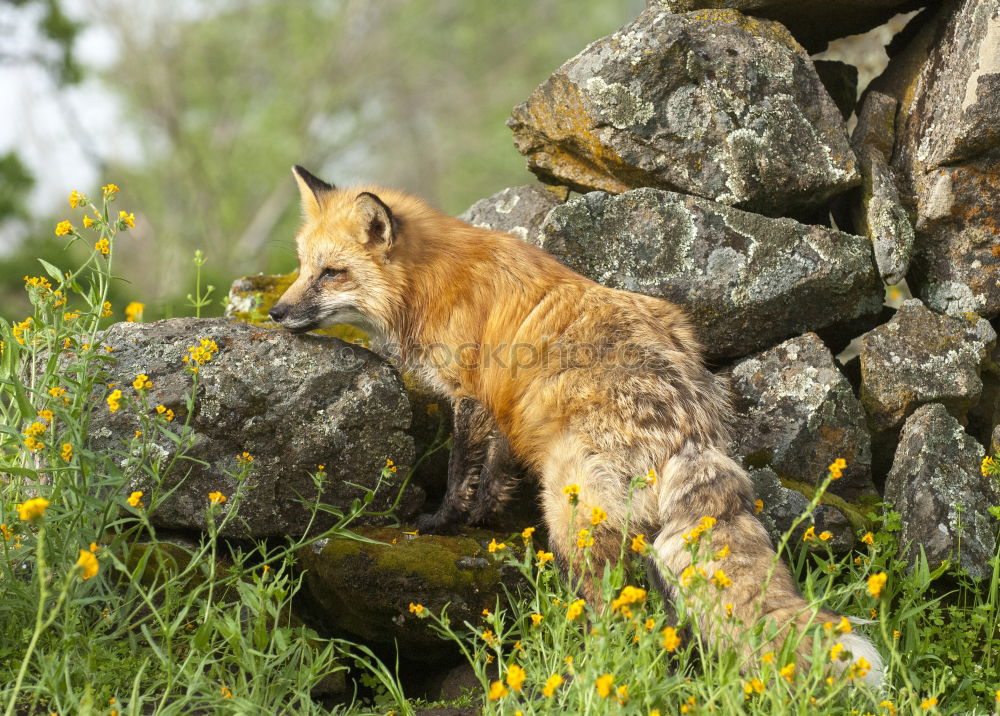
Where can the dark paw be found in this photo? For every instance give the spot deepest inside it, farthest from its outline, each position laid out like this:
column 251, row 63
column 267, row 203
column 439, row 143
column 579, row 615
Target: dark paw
column 434, row 523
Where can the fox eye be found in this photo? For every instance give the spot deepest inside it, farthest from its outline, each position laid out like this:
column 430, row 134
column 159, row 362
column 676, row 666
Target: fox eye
column 331, row 273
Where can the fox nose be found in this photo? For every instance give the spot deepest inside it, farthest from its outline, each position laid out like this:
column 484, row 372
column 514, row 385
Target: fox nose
column 277, row 312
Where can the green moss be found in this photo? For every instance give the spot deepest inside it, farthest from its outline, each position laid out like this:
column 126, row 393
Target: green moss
column 855, row 514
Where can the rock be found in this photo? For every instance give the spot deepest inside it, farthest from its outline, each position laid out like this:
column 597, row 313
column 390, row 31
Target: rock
column 517, row 210
column 922, row 357
column 936, row 486
column 364, row 588
column 746, row 280
column 841, row 82
column 291, row 402
column 995, row 441
column 710, row 103
column 250, row 299
column 782, row 506
column 879, row 212
column 946, row 153
column 796, row 413
column 812, row 22
column 984, row 416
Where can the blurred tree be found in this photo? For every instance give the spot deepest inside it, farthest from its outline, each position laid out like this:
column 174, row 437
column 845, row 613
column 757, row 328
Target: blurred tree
column 226, row 96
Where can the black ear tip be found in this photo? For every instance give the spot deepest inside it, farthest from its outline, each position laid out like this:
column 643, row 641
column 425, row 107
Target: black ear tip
column 317, row 185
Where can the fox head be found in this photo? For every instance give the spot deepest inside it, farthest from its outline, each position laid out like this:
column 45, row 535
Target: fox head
column 344, row 248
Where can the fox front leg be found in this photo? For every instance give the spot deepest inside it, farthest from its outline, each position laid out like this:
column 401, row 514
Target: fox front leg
column 467, row 451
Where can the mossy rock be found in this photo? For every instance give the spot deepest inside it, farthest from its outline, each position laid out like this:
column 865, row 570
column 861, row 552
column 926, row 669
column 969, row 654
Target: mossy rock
column 364, row 588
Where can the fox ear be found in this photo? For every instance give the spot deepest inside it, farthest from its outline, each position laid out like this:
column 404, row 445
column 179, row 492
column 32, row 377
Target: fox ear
column 376, row 221
column 311, row 188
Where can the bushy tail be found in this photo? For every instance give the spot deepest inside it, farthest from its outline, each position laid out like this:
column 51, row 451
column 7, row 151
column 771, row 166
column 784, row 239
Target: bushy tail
column 717, row 557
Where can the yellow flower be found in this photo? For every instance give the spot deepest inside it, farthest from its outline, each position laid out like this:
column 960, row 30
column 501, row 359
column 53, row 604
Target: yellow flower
column 127, row 219
column 390, row 465
column 670, row 639
column 35, row 429
column 891, row 707
column 489, row 637
column 837, row 468
column 844, row 626
column 106, row 309
column 928, row 704
column 21, row 328
column 690, row 574
column 639, row 543
column 575, row 609
column 544, row 557
column 133, row 311
column 572, row 493
column 629, row 595
column 46, row 415
column 649, row 624
column 825, row 536
column 597, row 516
column 135, row 499
column 536, row 619
column 33, row 444
column 706, row 523
column 88, row 561
column 142, row 382
column 216, row 498
column 497, row 690
column 859, row 669
column 110, row 189
column 835, row 651
column 87, row 222
column 875, row 584
column 758, row 506
column 583, row 539
column 729, row 609
column 722, row 553
column 33, row 508
column 515, row 677
column 989, row 466
column 6, row 531
column 621, row 693
column 551, row 684
column 768, row 658
column 753, row 686
column 63, row 228
column 651, row 477
column 721, row 579
column 495, row 546
column 226, row 692
column 104, row 246
column 76, row 199
column 869, row 538
column 417, row 609
column 527, row 532
column 810, row 534
column 787, row 671
column 604, row 684
column 114, row 400
column 244, row 458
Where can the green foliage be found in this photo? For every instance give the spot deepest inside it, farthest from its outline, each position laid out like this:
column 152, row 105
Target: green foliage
column 98, row 613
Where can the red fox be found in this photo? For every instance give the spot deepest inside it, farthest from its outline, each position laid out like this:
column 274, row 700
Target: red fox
column 592, row 387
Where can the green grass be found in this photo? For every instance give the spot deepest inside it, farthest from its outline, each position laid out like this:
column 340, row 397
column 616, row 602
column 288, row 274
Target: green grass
column 209, row 628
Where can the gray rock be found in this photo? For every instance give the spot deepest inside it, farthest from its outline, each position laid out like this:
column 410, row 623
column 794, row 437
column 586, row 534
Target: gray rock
column 292, row 402
column 995, row 441
column 841, row 82
column 936, row 486
column 812, row 22
column 922, row 357
column 946, row 153
column 795, row 412
column 879, row 212
column 782, row 506
column 517, row 210
column 746, row 280
column 714, row 104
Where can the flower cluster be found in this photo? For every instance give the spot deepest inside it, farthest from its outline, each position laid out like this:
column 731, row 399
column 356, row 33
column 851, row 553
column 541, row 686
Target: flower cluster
column 706, row 523
column 200, row 354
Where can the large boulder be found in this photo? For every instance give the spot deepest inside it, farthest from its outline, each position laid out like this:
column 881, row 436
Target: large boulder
column 365, row 588
column 945, row 152
column 812, row 22
column 292, row 402
column 746, row 280
column 943, row 499
column 517, row 210
column 922, row 357
column 795, row 412
column 711, row 103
